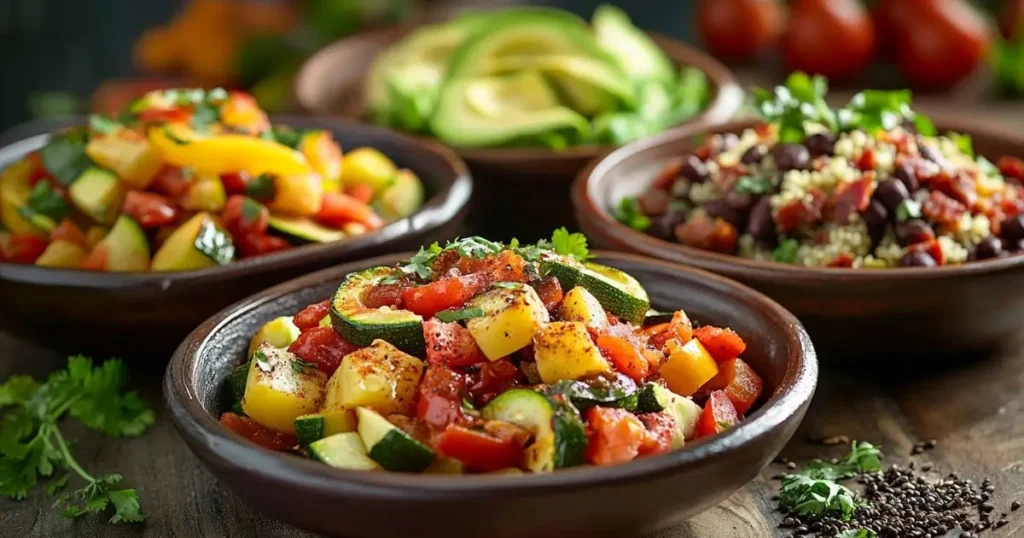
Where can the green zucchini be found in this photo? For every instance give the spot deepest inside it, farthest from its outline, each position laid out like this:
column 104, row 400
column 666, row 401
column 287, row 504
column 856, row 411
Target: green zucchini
column 618, row 292
column 655, row 398
column 389, row 446
column 559, row 437
column 361, row 325
column 614, row 390
column 342, row 451
column 652, row 398
column 310, row 428
column 37, row 219
column 97, row 193
column 302, row 230
column 236, row 386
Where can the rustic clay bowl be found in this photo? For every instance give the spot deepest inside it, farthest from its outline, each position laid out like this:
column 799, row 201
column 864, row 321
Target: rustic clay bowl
column 331, row 83
column 854, row 314
column 648, row 494
column 147, row 314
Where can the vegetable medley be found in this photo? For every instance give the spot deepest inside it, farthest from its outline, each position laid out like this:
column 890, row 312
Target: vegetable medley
column 870, row 185
column 188, row 179
column 484, row 357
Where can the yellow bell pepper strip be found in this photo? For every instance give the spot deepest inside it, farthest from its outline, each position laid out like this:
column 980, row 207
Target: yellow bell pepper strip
column 687, row 367
column 324, row 155
column 217, row 154
column 14, row 193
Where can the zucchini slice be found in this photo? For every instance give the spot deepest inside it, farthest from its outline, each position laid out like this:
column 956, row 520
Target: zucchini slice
column 391, row 447
column 618, row 292
column 559, row 436
column 611, row 390
column 654, row 398
column 361, row 325
column 311, row 428
column 342, row 451
column 197, row 244
column 97, row 193
column 303, row 230
column 236, row 386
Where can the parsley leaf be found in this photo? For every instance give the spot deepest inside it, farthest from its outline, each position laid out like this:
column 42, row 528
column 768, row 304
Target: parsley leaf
column 204, row 116
column 261, row 188
column 908, row 209
column 299, row 366
column 570, row 244
column 17, row 389
column 46, row 201
column 629, row 214
column 751, row 185
column 804, row 495
column 801, row 100
column 785, row 252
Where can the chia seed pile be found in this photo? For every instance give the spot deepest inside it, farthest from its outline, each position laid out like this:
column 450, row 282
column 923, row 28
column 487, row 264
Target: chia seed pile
column 901, row 502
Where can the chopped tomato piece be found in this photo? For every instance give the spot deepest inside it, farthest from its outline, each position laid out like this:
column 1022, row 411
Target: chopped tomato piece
column 257, row 433
column 867, row 160
column 440, row 399
column 505, row 267
column 660, row 427
column 493, row 379
column 450, row 344
column 149, row 210
column 667, row 176
column 740, row 382
column 323, row 347
column 959, row 185
column 624, row 355
column 932, row 248
column 706, row 233
column 385, row 295
column 680, row 327
column 244, row 216
column 851, row 197
column 25, row 249
column 719, row 415
column 614, row 436
column 1011, row 167
column 339, row 208
column 478, row 450
column 942, row 209
column 164, row 115
column 67, row 230
column 171, row 181
column 841, row 260
column 96, row 260
column 360, row 191
column 443, row 294
column 798, row 213
column 722, row 344
column 253, row 244
column 235, row 182
column 550, row 292
column 309, row 317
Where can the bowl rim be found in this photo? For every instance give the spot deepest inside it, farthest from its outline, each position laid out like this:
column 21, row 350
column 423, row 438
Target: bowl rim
column 437, row 210
column 794, row 392
column 588, row 209
column 727, row 101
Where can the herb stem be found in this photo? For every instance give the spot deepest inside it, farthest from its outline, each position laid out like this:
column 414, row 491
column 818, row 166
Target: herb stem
column 69, row 460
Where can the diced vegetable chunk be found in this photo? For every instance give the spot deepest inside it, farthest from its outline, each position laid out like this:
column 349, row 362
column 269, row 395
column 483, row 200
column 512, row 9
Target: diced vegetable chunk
column 687, row 367
column 580, row 305
column 128, row 154
column 512, row 316
column 563, row 350
column 279, row 332
column 380, row 377
column 279, row 388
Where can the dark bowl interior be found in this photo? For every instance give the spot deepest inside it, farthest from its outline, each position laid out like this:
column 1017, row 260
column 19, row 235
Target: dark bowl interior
column 657, row 492
column 331, row 83
column 139, row 314
column 858, row 315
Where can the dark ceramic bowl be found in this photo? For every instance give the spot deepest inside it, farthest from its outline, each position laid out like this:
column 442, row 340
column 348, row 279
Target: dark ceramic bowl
column 147, row 314
column 331, row 83
column 651, row 493
column 853, row 314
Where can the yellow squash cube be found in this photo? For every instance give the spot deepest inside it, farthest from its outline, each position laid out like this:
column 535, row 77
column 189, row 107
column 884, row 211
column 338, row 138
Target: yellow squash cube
column 62, row 254
column 278, row 332
column 687, row 367
column 297, row 195
column 512, row 315
column 279, row 389
column 128, row 154
column 381, row 377
column 580, row 305
column 367, row 166
column 564, row 350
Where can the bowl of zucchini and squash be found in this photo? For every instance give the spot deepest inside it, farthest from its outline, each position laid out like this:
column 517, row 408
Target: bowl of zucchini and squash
column 511, row 386
column 527, row 96
column 190, row 199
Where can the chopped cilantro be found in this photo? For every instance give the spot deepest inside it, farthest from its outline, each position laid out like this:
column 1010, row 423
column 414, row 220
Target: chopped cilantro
column 299, row 366
column 570, row 244
column 46, row 201
column 204, row 116
column 629, row 214
column 785, row 252
column 908, row 209
column 751, row 185
column 448, row 316
column 261, row 188
column 64, row 156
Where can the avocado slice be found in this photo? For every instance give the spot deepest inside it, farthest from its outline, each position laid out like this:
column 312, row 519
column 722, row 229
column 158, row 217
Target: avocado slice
column 637, row 54
column 400, row 199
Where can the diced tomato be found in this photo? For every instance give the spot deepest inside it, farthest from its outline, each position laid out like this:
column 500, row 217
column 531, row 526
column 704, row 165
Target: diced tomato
column 667, row 176
column 494, row 378
column 171, row 182
column 932, row 248
column 740, row 382
column 719, row 415
column 614, row 436
column 841, row 260
column 164, row 115
column 624, row 356
column 253, row 244
column 680, row 327
column 722, row 344
column 450, row 344
column 360, row 191
column 67, row 230
column 660, row 427
column 323, row 347
column 1011, row 167
column 257, row 433
column 943, row 210
column 550, row 292
column 96, row 260
column 310, row 317
column 960, row 186
column 235, row 182
column 243, row 216
column 338, row 208
column 25, row 249
column 443, row 294
column 867, row 160
column 505, row 267
column 477, row 450
column 148, row 209
column 851, row 197
column 440, row 398
column 706, row 233
column 385, row 295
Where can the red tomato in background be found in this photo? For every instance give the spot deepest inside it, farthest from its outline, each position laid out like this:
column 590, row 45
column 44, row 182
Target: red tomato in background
column 149, row 210
column 310, row 317
column 323, row 347
column 257, row 433
column 719, row 415
column 835, row 38
column 736, row 30
column 478, row 450
column 1011, row 18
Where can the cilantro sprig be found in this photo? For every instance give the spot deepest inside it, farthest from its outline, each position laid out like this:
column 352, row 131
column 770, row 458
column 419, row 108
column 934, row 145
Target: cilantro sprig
column 629, row 213
column 33, row 448
column 815, row 490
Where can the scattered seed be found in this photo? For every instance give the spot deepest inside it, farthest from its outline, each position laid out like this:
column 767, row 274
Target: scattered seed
column 791, row 466
column 1014, row 506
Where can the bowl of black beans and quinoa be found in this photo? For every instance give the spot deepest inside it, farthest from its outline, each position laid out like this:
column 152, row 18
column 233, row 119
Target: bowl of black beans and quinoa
column 886, row 233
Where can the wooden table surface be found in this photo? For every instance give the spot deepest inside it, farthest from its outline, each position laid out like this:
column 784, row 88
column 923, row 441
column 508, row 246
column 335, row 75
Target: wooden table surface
column 974, row 410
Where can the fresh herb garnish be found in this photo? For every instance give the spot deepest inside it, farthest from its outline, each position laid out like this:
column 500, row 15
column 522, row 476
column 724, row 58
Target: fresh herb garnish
column 908, row 209
column 814, row 490
column 260, row 356
column 751, row 185
column 64, row 156
column 448, row 316
column 570, row 244
column 629, row 214
column 102, row 124
column 785, row 252
column 299, row 366
column 251, row 209
column 874, row 110
column 859, row 533
column 32, row 446
column 261, row 188
column 46, row 201
column 204, row 116
column 862, row 458
column 420, row 263
column 963, row 143
column 507, row 285
column 467, row 405
column 282, row 134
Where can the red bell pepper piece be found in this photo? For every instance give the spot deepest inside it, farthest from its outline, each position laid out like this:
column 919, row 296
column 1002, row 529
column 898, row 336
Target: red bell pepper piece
column 614, row 436
column 478, row 450
column 323, row 347
column 310, row 317
column 257, row 433
column 740, row 382
column 719, row 415
column 444, row 294
column 450, row 344
column 722, row 344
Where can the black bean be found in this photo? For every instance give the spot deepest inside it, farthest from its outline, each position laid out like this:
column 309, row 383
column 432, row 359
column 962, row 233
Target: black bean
column 694, row 169
column 1013, row 228
column 914, row 231
column 931, row 154
column 754, row 154
column 891, row 193
column 720, row 209
column 791, row 157
column 759, row 223
column 739, row 201
column 905, row 173
column 663, row 226
column 875, row 215
column 989, row 247
column 917, row 259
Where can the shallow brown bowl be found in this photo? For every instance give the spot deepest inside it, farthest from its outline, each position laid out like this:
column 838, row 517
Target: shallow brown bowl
column 331, row 83
column 147, row 314
column 854, row 314
column 651, row 493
